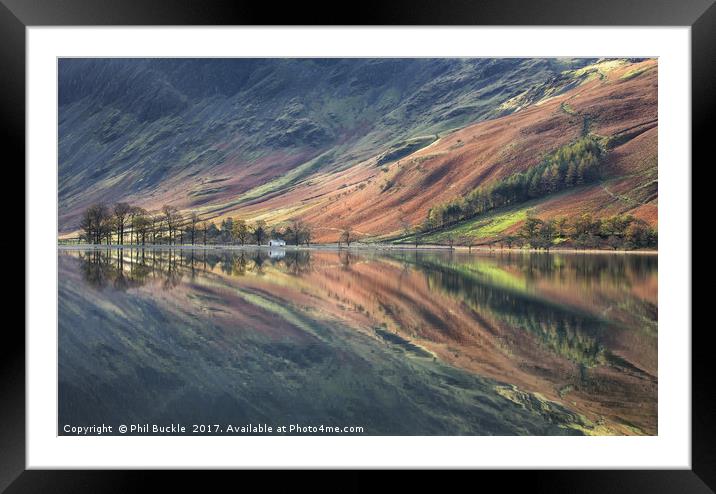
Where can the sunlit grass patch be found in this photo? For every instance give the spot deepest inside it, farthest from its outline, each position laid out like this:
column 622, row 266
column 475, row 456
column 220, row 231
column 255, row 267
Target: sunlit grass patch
column 634, row 73
column 599, row 69
column 567, row 108
column 485, row 227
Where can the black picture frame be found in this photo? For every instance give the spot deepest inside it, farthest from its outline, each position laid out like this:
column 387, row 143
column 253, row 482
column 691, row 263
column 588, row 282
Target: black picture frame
column 16, row 15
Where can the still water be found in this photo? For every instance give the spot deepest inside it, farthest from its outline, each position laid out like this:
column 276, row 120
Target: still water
column 390, row 343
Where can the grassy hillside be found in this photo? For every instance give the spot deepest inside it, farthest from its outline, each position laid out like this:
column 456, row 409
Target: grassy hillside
column 493, row 225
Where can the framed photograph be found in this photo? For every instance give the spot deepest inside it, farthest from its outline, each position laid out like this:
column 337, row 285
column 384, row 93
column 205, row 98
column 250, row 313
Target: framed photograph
column 444, row 237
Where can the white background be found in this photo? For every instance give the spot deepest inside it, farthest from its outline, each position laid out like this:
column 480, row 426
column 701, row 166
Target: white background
column 671, row 448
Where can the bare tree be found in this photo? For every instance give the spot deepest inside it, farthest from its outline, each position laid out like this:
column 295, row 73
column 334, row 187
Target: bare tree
column 193, row 224
column 347, row 235
column 240, row 231
column 95, row 223
column 407, row 228
column 260, row 231
column 133, row 213
column 87, row 226
column 450, row 240
column 180, row 226
column 297, row 231
column 469, row 241
column 171, row 219
column 107, row 227
column 138, row 221
column 204, row 229
column 155, row 226
column 121, row 212
column 141, row 225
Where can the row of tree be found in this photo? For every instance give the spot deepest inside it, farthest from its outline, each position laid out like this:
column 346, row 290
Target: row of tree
column 621, row 231
column 123, row 222
column 570, row 166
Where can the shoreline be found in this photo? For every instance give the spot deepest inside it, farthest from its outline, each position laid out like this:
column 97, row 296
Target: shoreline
column 361, row 247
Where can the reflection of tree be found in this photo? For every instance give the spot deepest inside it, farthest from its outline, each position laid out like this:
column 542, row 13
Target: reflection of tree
column 345, row 258
column 258, row 260
column 173, row 274
column 141, row 271
column 240, row 265
column 125, row 268
column 620, row 271
column 565, row 332
column 95, row 268
column 297, row 262
column 191, row 264
column 227, row 263
column 120, row 282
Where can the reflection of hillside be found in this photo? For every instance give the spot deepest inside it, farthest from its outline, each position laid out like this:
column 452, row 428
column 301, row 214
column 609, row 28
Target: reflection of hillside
column 236, row 348
column 497, row 330
column 555, row 295
column 496, row 316
column 566, row 333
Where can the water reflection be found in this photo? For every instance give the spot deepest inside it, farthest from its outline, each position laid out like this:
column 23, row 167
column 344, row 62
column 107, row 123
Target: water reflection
column 130, row 268
column 454, row 343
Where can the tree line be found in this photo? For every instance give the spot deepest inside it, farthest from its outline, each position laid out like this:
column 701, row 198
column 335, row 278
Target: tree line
column 571, row 165
column 621, row 231
column 123, row 222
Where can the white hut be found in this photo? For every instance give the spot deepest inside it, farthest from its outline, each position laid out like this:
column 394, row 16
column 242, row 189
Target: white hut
column 276, row 243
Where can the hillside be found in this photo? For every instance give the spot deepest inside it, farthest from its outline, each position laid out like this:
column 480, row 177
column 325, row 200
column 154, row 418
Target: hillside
column 368, row 144
column 210, row 134
column 619, row 111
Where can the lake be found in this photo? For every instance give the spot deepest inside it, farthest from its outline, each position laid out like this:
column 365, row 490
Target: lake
column 400, row 342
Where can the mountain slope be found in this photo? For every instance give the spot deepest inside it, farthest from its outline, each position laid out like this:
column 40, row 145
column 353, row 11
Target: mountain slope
column 212, row 134
column 615, row 107
column 369, row 144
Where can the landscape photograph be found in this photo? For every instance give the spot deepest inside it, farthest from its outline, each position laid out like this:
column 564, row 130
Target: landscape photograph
column 357, row 246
